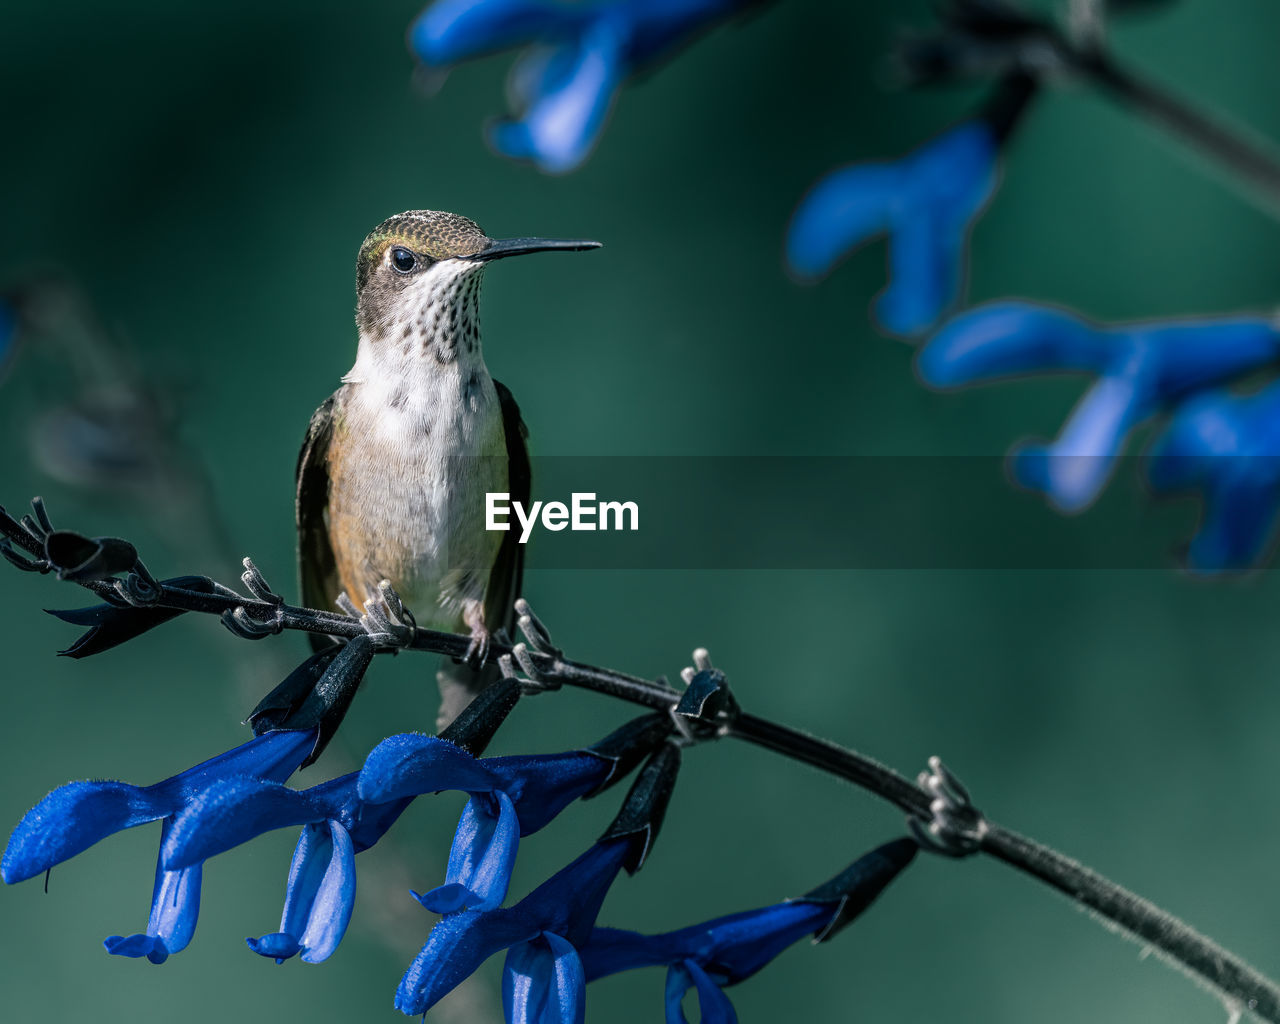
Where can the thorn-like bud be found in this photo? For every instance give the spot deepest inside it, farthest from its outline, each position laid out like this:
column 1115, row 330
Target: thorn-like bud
column 475, row 726
column 646, row 805
column 953, row 827
column 857, row 886
column 627, row 746
column 317, row 694
column 708, row 703
column 537, row 635
column 256, row 583
column 112, row 624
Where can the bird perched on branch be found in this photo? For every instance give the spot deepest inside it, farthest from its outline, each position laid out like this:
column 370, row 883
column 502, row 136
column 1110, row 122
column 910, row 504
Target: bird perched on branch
column 393, row 473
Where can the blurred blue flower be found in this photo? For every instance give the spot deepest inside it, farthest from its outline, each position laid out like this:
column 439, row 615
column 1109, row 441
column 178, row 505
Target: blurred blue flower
column 543, row 979
column 75, row 816
column 1141, row 369
column 729, row 949
column 1227, row 446
column 511, row 797
column 8, row 330
column 562, row 87
column 925, row 202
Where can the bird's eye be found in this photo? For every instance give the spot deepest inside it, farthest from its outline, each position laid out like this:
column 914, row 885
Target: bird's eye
column 403, row 260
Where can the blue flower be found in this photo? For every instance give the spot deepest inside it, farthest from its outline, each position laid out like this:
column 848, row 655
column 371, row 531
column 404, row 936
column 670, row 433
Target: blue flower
column 543, row 979
column 729, row 949
column 321, row 890
column 926, row 202
column 8, row 330
column 563, row 86
column 1227, row 446
column 1141, row 368
column 511, row 797
column 75, row 816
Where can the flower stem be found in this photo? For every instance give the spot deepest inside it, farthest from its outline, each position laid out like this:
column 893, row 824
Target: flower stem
column 1246, row 155
column 1238, row 984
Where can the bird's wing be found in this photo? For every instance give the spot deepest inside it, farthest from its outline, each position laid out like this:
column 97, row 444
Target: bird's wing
column 508, row 570
column 319, row 574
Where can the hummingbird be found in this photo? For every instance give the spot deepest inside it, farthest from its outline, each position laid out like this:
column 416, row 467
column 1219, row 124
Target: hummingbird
column 395, row 466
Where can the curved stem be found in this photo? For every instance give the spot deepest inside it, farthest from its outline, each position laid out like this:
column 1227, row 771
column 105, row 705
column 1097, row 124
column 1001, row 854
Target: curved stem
column 1242, row 152
column 1238, row 984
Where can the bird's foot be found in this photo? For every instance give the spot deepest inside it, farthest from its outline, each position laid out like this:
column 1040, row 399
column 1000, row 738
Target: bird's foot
column 385, row 618
column 536, row 656
column 478, row 649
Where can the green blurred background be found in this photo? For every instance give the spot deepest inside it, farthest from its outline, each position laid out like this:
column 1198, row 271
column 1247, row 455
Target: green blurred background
column 207, row 173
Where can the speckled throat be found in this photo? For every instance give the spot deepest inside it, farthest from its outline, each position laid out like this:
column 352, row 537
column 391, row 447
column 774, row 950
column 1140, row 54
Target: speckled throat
column 419, row 444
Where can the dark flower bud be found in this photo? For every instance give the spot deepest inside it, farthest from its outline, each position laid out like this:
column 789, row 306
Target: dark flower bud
column 113, row 624
column 316, row 695
column 646, row 805
column 858, row 885
column 475, row 726
column 708, row 700
column 80, row 559
column 627, row 746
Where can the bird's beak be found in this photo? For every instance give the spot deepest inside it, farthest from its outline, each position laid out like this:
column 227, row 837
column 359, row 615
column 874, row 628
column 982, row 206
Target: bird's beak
column 503, row 247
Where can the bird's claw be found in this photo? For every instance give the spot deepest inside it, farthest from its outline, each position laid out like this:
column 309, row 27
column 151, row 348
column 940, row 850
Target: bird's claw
column 385, row 618
column 478, row 650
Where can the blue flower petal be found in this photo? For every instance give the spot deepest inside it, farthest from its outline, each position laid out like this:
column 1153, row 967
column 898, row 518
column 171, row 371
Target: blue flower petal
column 319, row 899
column 278, row 946
column 1073, row 470
column 1006, row 338
column 74, row 817
column 562, row 125
column 925, row 271
column 451, row 31
column 845, row 209
column 306, row 871
column 231, row 812
column 137, row 946
column 175, row 906
column 565, row 905
column 457, row 945
column 926, row 202
column 334, row 899
column 8, row 330
column 714, row 1006
column 273, row 756
column 543, row 983
column 480, row 862
column 411, row 764
column 733, row 947
column 543, row 785
column 569, row 901
column 1227, row 446
column 1141, row 368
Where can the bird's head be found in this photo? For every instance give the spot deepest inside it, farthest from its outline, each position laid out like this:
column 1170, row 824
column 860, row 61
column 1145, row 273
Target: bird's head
column 418, row 276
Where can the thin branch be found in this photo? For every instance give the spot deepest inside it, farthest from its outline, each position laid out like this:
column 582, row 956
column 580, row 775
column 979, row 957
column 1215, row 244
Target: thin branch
column 706, row 709
column 984, row 39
